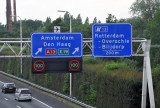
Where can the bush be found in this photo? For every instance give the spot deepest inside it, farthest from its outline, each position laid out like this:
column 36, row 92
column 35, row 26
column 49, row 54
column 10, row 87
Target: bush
column 90, row 60
column 114, row 66
column 88, row 93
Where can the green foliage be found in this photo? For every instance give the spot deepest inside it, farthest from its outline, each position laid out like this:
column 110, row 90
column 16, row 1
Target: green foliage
column 65, row 89
column 18, row 73
column 9, row 67
column 153, row 26
column 99, row 21
column 66, row 18
column 111, row 19
column 156, row 82
column 156, row 73
column 86, row 21
column 7, row 34
column 88, row 93
column 95, row 20
column 30, row 77
column 28, row 26
column 132, row 64
column 90, row 60
column 2, row 27
column 114, row 66
column 153, row 33
column 145, row 8
column 79, row 19
column 47, row 80
column 48, row 21
column 138, row 26
column 86, row 29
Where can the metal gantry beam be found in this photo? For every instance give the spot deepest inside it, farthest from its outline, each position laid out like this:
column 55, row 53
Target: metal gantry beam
column 11, row 45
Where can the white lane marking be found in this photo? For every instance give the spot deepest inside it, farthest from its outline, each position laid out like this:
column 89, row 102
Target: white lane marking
column 5, row 98
column 1, row 82
column 18, row 106
column 42, row 102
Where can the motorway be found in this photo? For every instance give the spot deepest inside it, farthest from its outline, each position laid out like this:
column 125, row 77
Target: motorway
column 39, row 100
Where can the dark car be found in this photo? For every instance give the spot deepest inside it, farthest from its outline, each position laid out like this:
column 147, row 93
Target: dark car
column 8, row 87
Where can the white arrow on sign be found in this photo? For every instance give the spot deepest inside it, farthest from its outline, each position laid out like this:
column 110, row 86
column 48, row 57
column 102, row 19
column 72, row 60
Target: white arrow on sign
column 76, row 50
column 39, row 50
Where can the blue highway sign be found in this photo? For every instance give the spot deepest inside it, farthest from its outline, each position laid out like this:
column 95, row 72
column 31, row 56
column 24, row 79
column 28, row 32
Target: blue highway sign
column 56, row 45
column 112, row 40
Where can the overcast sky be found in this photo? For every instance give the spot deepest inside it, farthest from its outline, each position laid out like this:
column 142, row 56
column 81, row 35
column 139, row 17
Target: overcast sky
column 40, row 9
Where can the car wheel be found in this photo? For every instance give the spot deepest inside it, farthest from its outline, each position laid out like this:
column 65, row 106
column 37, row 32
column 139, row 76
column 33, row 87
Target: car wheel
column 4, row 91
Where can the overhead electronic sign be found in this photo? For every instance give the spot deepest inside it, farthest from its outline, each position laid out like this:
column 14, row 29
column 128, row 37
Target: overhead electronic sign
column 56, row 65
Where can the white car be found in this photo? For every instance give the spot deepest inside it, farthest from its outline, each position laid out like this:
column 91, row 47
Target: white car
column 23, row 94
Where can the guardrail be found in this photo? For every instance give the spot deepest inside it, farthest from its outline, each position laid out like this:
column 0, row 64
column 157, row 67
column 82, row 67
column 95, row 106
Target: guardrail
column 48, row 90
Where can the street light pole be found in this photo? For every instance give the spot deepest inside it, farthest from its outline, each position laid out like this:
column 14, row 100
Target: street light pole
column 70, row 73
column 70, row 32
column 20, row 39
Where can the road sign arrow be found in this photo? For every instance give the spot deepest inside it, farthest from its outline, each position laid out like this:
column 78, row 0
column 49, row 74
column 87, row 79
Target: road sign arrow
column 76, row 50
column 57, row 29
column 39, row 50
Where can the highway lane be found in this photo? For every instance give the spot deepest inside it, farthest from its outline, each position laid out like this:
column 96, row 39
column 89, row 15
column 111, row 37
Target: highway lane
column 39, row 100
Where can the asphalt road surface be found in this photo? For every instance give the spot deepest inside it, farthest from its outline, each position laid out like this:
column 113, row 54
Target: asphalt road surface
column 39, row 100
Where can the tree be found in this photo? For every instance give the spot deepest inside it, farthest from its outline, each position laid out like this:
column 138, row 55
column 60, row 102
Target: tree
column 57, row 22
column 95, row 20
column 86, row 21
column 152, row 32
column 99, row 21
column 111, row 19
column 79, row 19
column 2, row 27
column 48, row 21
column 138, row 26
column 66, row 17
column 153, row 27
column 145, row 9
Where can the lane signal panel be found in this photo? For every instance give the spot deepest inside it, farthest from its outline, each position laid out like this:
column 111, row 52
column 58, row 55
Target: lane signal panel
column 56, row 65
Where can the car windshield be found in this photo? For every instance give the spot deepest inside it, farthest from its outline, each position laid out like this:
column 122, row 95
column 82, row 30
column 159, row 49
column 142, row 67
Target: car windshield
column 10, row 85
column 25, row 92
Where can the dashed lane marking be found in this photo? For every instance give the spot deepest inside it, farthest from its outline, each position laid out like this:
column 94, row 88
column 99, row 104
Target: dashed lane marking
column 42, row 102
column 18, row 106
column 5, row 98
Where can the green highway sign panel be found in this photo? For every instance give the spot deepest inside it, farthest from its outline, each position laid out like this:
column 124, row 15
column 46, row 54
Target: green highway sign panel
column 63, row 51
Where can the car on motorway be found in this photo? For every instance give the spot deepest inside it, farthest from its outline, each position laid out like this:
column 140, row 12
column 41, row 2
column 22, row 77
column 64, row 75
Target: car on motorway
column 8, row 87
column 23, row 94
